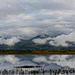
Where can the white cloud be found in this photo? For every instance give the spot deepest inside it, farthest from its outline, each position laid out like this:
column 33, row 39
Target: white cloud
column 63, row 39
column 9, row 58
column 60, row 40
column 39, row 22
column 10, row 61
column 10, row 41
column 41, row 41
column 59, row 57
column 51, row 58
column 40, row 59
column 62, row 60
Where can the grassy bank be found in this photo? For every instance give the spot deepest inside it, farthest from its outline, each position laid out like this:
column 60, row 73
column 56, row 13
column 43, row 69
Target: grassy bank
column 38, row 52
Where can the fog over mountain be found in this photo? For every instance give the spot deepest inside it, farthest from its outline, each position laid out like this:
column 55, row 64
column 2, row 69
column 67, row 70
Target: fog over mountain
column 61, row 40
column 27, row 19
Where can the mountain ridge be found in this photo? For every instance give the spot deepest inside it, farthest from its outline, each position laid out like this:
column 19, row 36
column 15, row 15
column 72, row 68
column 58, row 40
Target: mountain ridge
column 30, row 44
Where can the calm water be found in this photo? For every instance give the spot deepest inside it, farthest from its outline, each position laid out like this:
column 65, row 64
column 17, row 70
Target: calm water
column 47, row 63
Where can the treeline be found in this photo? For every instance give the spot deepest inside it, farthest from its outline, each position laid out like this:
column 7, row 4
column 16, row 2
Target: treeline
column 43, row 51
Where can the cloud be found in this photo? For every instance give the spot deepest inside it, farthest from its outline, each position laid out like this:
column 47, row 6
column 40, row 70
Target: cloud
column 41, row 41
column 21, row 32
column 40, row 59
column 28, row 18
column 60, row 40
column 9, row 58
column 12, row 7
column 10, row 61
column 10, row 41
column 62, row 60
column 59, row 57
column 40, row 22
column 51, row 58
column 46, row 61
column 63, row 39
column 52, row 4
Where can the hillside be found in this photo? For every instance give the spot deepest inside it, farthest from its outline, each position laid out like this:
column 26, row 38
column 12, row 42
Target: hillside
column 40, row 42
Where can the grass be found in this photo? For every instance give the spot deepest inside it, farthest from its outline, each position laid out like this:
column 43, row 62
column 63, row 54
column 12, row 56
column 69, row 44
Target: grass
column 33, row 52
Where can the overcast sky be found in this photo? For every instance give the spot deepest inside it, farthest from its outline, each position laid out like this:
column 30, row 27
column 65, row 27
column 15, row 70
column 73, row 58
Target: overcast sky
column 28, row 18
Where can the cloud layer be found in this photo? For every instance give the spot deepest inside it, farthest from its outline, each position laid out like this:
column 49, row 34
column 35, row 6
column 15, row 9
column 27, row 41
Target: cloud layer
column 9, row 58
column 26, row 19
column 61, row 40
column 62, row 60
column 10, row 41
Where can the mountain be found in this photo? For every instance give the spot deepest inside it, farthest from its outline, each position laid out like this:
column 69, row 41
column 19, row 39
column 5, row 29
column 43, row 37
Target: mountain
column 41, row 36
column 30, row 44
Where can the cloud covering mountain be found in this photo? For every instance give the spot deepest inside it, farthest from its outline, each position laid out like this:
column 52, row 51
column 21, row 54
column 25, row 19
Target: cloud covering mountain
column 61, row 40
column 10, row 41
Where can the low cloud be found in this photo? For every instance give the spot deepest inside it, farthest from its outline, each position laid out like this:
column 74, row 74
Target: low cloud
column 60, row 40
column 40, row 59
column 63, row 40
column 10, row 41
column 9, row 59
column 59, row 57
column 62, row 60
column 41, row 41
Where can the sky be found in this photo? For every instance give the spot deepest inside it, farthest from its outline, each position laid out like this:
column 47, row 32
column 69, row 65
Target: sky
column 29, row 18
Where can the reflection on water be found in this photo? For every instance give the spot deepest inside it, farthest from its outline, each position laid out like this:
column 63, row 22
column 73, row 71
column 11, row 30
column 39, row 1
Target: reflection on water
column 37, row 64
column 60, row 71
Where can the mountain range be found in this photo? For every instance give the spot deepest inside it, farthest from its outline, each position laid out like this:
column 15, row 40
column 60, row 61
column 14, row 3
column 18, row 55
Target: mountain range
column 31, row 45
